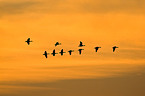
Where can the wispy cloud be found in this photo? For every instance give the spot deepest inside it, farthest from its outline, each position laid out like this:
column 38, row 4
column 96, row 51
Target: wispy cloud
column 101, row 6
column 75, row 6
column 9, row 8
column 129, row 85
column 93, row 6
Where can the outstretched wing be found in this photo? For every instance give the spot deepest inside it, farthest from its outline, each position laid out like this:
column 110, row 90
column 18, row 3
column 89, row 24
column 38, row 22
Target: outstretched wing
column 81, row 43
column 96, row 49
column 56, row 43
column 28, row 39
column 69, row 52
column 53, row 52
column 80, row 51
column 46, row 55
column 28, row 42
column 61, row 52
column 113, row 49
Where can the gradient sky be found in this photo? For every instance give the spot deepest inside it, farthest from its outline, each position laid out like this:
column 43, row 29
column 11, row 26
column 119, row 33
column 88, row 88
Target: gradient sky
column 24, row 71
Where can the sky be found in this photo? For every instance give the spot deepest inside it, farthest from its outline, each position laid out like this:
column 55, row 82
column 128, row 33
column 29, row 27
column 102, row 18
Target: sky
column 106, row 23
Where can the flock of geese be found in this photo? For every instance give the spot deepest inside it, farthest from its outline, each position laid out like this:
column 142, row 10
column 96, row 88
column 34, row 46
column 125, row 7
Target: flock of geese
column 70, row 51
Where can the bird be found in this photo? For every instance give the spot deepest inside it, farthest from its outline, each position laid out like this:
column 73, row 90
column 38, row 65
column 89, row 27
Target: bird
column 45, row 54
column 80, row 51
column 70, row 51
column 57, row 43
column 61, row 52
column 81, row 44
column 96, row 48
column 53, row 53
column 114, row 48
column 28, row 41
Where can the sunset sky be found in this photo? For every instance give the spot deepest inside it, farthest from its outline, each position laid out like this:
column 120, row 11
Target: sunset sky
column 24, row 71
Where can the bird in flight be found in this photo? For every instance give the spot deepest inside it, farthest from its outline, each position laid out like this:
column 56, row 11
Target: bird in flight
column 53, row 53
column 61, row 52
column 28, row 41
column 114, row 48
column 96, row 48
column 70, row 51
column 81, row 44
column 57, row 43
column 80, row 51
column 45, row 54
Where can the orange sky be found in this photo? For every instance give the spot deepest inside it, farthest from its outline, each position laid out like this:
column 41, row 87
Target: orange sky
column 102, row 23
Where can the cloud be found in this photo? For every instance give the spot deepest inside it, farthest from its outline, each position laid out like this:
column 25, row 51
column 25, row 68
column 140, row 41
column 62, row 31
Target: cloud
column 75, row 6
column 129, row 85
column 9, row 8
column 95, row 6
column 101, row 6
